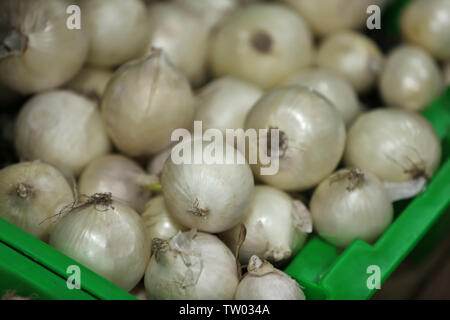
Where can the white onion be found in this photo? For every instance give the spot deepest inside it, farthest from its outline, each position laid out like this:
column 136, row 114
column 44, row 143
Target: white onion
column 211, row 11
column 91, row 82
column 427, row 23
column 312, row 136
column 62, row 128
column 118, row 30
column 411, row 79
column 106, row 236
column 37, row 50
column 276, row 226
column 264, row 282
column 330, row 16
column 191, row 266
column 354, row 56
column 333, row 86
column 351, row 204
column 145, row 101
column 158, row 222
column 121, row 176
column 210, row 197
column 31, row 193
column 261, row 43
column 182, row 34
column 224, row 103
column 395, row 145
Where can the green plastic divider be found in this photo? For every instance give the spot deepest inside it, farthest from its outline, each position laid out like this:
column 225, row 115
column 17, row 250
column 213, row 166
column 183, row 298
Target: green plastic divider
column 31, row 267
column 23, row 277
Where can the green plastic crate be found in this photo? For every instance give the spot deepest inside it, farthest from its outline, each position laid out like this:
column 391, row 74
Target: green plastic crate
column 32, row 268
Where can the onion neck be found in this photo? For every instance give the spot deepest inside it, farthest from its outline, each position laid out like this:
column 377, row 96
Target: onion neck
column 258, row 267
column 197, row 210
column 12, row 43
column 282, row 143
column 159, row 246
column 24, row 190
column 354, row 176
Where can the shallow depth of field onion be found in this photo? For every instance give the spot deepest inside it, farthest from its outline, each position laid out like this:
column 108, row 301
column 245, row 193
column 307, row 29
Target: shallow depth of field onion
column 91, row 82
column 276, row 226
column 210, row 197
column 395, row 145
column 118, row 30
column 351, row 204
column 144, row 102
column 427, row 23
column 37, row 50
column 106, row 236
column 31, row 193
column 211, row 12
column 333, row 86
column 158, row 222
column 182, row 34
column 264, row 282
column 191, row 266
column 354, row 56
column 224, row 103
column 411, row 79
column 311, row 136
column 261, row 43
column 121, row 176
column 62, row 128
column 330, row 16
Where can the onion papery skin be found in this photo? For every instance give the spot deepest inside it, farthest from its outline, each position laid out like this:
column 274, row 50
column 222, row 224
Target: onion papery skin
column 118, row 30
column 261, row 43
column 31, row 196
column 411, row 79
column 145, row 101
column 62, row 128
column 426, row 23
column 158, row 221
column 354, row 56
column 271, row 231
column 332, row 86
column 264, row 282
column 343, row 212
column 395, row 145
column 52, row 53
column 330, row 16
column 196, row 266
column 110, row 240
column 121, row 176
column 225, row 102
column 210, row 197
column 312, row 134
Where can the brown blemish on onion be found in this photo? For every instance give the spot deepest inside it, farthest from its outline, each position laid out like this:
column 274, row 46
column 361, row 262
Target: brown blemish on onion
column 262, row 41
